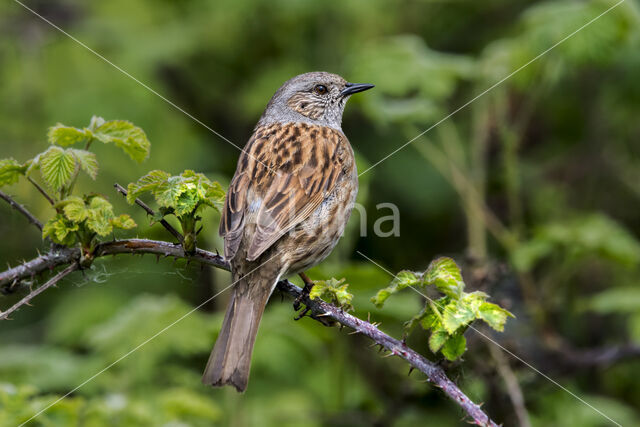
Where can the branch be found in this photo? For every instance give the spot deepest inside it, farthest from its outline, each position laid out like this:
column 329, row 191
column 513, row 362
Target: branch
column 434, row 373
column 17, row 206
column 511, row 383
column 41, row 190
column 51, row 282
column 319, row 308
column 150, row 211
column 602, row 357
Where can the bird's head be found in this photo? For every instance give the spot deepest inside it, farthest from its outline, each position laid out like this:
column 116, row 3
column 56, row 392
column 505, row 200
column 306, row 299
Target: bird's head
column 317, row 98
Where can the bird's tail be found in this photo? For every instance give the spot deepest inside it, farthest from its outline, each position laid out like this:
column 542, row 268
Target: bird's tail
column 230, row 358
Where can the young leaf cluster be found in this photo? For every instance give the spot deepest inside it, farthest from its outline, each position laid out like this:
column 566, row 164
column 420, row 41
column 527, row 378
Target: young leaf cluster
column 183, row 195
column 333, row 291
column 448, row 317
column 60, row 163
column 77, row 219
column 82, row 219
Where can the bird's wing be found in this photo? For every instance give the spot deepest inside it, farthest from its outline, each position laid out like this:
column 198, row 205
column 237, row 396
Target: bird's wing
column 283, row 175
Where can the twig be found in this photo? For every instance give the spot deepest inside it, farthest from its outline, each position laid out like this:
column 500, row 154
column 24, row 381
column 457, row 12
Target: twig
column 601, row 357
column 150, row 211
column 434, row 373
column 41, row 190
column 17, row 206
column 129, row 246
column 511, row 383
column 319, row 308
column 55, row 279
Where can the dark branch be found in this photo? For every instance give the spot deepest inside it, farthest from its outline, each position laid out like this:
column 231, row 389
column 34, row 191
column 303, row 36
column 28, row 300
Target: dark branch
column 51, row 282
column 17, row 206
column 41, row 190
column 320, row 310
column 434, row 373
column 601, row 357
column 150, row 211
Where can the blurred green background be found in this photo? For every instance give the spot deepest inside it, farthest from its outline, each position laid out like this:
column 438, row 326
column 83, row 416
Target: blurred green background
column 534, row 188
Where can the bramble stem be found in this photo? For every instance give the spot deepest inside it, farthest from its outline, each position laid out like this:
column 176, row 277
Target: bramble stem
column 41, row 190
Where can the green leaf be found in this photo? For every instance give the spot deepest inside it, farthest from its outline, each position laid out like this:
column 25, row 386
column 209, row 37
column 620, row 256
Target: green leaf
column 65, row 135
column 10, row 171
column 125, row 135
column 615, row 300
column 148, row 182
column 437, row 340
column 87, row 161
column 578, row 238
column 60, row 230
column 123, row 221
column 333, row 289
column 168, row 192
column 445, row 274
column 494, row 315
column 187, row 201
column 402, row 280
column 57, row 167
column 455, row 315
column 74, row 209
column 99, row 216
column 214, row 195
column 454, row 347
column 96, row 122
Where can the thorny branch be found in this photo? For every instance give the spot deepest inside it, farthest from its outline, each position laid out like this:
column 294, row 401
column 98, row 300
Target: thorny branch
column 319, row 309
column 22, row 275
column 120, row 189
column 51, row 282
column 17, row 206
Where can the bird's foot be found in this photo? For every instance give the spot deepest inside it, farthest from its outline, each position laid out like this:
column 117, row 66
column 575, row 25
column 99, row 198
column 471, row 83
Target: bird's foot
column 308, row 285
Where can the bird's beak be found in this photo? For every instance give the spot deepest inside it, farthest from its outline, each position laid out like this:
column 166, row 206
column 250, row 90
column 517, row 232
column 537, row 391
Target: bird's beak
column 351, row 88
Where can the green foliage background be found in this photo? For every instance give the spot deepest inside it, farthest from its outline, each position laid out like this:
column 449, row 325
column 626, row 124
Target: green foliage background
column 553, row 152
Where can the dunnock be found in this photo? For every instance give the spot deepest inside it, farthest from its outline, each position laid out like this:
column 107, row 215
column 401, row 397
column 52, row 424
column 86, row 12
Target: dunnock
column 286, row 208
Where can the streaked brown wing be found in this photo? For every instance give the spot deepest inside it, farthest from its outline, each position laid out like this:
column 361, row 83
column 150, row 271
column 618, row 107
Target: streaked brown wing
column 284, row 175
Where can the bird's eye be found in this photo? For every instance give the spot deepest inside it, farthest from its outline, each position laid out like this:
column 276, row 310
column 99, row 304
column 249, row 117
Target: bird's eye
column 320, row 89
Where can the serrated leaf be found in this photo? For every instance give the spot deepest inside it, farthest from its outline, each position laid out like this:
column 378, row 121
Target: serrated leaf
column 148, row 182
column 168, row 192
column 66, row 135
column 334, row 290
column 454, row 347
column 74, row 209
column 99, row 216
column 186, row 202
column 474, row 300
column 455, row 315
column 87, row 161
column 57, row 167
column 402, row 280
column 100, row 203
column 60, row 230
column 445, row 274
column 431, row 321
column 437, row 340
column 33, row 164
column 125, row 135
column 214, row 196
column 494, row 315
column 10, row 171
column 96, row 122
column 123, row 221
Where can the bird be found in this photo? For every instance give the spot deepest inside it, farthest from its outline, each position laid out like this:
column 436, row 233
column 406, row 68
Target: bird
column 286, row 207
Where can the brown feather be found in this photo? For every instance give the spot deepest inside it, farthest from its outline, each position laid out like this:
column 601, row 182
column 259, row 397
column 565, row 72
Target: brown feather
column 298, row 170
